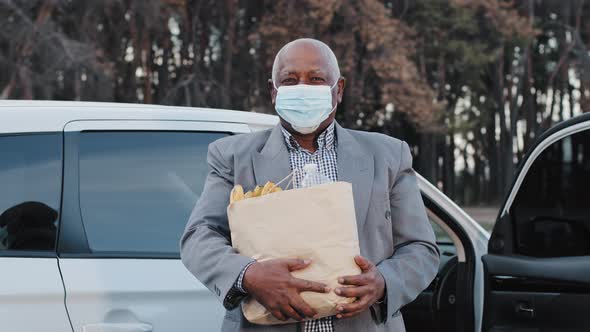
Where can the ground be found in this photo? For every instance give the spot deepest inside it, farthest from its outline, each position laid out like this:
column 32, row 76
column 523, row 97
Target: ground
column 484, row 215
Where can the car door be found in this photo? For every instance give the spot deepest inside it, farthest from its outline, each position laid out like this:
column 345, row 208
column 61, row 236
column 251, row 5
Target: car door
column 31, row 289
column 128, row 192
column 425, row 312
column 537, row 272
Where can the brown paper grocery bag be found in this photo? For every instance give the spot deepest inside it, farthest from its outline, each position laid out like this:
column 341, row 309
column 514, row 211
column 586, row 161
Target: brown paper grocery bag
column 316, row 223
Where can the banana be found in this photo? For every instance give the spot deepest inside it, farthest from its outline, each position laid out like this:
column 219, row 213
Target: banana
column 267, row 189
column 257, row 191
column 237, row 194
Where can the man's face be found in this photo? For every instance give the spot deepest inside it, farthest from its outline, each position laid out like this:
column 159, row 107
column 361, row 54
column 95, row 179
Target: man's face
column 304, row 63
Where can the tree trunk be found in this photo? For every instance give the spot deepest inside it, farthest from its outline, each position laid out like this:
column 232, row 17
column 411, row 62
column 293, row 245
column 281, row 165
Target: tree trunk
column 164, row 73
column 7, row 90
column 491, row 151
column 147, row 63
column 449, row 164
column 427, row 157
column 529, row 97
column 506, row 152
column 230, row 34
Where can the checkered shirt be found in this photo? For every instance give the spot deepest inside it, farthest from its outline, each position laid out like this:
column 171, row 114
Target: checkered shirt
column 324, row 156
column 326, row 159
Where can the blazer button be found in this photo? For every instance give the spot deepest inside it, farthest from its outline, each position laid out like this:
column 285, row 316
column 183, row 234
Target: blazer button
column 387, row 214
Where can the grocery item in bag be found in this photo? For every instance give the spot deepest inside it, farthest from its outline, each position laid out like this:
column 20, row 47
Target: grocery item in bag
column 314, row 222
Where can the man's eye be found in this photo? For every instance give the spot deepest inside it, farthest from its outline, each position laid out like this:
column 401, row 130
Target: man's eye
column 317, row 79
column 288, row 81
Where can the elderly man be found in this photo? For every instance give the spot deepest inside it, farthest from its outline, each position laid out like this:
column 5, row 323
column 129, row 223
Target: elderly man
column 399, row 255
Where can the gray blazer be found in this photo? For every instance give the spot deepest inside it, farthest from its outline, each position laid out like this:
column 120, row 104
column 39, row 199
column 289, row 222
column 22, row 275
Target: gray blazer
column 394, row 231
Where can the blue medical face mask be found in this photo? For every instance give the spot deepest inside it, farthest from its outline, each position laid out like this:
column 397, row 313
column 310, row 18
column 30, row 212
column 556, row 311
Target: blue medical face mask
column 304, row 106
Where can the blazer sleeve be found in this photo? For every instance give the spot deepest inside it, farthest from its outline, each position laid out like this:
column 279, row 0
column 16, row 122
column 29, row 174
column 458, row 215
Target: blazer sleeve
column 205, row 246
column 416, row 257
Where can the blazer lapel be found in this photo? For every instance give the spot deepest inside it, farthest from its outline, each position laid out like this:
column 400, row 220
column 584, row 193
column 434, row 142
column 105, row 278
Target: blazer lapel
column 272, row 162
column 355, row 166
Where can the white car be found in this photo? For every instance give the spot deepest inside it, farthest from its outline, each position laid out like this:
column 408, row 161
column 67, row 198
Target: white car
column 94, row 198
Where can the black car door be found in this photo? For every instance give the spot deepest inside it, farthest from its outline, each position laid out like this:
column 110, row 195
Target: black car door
column 537, row 271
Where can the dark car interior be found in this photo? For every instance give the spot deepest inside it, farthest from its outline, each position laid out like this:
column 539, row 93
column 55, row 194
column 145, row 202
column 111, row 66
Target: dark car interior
column 435, row 309
column 550, row 210
column 539, row 279
column 537, row 272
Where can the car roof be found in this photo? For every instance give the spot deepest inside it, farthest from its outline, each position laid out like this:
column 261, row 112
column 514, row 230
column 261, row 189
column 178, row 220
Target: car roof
column 21, row 116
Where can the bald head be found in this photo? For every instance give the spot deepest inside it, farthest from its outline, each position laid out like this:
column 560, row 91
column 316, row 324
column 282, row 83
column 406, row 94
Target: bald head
column 307, row 52
column 310, row 62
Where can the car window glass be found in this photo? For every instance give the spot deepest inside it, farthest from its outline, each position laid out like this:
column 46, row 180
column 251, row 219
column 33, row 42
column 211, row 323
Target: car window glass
column 551, row 210
column 30, row 191
column 137, row 189
column 441, row 235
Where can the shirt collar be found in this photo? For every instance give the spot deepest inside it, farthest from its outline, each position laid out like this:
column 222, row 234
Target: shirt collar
column 326, row 140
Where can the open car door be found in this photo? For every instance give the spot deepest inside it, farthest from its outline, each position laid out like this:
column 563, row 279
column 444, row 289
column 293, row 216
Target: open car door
column 537, row 270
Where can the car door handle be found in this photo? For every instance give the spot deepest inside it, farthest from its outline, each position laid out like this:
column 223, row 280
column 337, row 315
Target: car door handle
column 117, row 327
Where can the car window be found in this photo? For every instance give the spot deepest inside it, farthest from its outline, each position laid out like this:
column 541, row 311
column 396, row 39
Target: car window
column 441, row 235
column 551, row 210
column 30, row 191
column 137, row 189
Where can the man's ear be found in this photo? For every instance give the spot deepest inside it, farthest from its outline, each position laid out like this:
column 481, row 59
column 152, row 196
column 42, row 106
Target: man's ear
column 341, row 85
column 272, row 91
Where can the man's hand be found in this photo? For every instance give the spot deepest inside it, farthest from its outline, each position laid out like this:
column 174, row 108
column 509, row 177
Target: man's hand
column 367, row 287
column 271, row 284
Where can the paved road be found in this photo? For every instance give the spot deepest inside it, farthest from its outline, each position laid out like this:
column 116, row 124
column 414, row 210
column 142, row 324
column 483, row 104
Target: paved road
column 486, row 216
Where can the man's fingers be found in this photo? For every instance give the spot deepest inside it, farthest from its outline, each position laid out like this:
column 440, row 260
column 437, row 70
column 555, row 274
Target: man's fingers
column 278, row 314
column 359, row 305
column 358, row 280
column 295, row 264
column 302, row 307
column 352, row 291
column 347, row 315
column 309, row 286
column 363, row 263
column 289, row 312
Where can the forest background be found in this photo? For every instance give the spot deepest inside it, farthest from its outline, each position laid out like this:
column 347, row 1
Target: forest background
column 469, row 84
